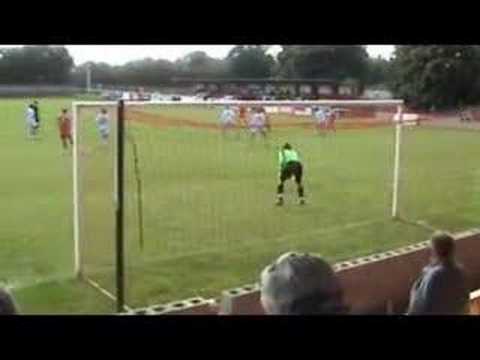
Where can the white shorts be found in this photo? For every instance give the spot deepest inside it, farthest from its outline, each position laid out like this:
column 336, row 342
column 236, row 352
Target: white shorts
column 32, row 124
column 104, row 131
column 227, row 124
column 257, row 128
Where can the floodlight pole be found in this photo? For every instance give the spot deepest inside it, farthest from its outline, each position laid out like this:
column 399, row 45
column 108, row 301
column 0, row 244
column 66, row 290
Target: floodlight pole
column 89, row 78
column 119, row 209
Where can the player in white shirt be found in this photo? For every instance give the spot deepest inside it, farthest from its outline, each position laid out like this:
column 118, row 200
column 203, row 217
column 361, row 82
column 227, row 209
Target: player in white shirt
column 258, row 123
column 332, row 116
column 320, row 116
column 227, row 119
column 103, row 125
column 31, row 122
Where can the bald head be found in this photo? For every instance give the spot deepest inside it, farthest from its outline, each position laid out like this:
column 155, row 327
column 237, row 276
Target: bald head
column 300, row 284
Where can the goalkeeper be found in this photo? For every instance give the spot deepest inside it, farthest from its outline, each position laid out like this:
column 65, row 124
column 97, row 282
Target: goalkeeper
column 290, row 167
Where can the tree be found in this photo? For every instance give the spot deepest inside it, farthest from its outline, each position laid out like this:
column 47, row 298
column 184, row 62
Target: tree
column 147, row 72
column 323, row 61
column 199, row 65
column 439, row 76
column 379, row 71
column 36, row 64
column 102, row 73
column 250, row 62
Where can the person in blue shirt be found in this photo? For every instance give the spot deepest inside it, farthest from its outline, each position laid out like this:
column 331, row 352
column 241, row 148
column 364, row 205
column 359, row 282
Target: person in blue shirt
column 441, row 288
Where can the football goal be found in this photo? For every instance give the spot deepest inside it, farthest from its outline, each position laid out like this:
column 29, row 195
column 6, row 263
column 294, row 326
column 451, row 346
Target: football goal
column 177, row 199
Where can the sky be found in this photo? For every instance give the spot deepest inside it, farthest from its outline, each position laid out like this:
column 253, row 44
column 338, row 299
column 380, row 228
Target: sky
column 120, row 54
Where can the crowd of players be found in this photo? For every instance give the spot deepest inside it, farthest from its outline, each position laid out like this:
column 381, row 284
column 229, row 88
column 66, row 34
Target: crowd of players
column 64, row 124
column 256, row 119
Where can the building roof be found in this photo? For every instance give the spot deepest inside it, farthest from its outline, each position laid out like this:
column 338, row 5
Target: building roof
column 256, row 81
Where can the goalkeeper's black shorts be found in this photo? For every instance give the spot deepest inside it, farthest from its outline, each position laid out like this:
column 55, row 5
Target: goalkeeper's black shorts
column 292, row 168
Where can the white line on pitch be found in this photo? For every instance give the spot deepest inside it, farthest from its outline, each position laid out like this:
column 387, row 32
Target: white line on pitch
column 19, row 285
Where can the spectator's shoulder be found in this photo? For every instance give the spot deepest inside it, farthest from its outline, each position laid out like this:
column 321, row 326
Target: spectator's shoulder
column 433, row 272
column 439, row 272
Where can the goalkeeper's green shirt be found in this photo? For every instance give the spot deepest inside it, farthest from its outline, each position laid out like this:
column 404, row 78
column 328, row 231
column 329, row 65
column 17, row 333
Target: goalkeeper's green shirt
column 285, row 156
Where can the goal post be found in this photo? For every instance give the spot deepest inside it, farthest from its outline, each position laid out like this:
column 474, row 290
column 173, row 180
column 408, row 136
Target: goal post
column 396, row 165
column 119, row 207
column 114, row 183
column 75, row 178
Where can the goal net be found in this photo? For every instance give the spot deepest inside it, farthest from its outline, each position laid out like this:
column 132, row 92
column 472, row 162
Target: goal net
column 439, row 176
column 94, row 169
column 199, row 192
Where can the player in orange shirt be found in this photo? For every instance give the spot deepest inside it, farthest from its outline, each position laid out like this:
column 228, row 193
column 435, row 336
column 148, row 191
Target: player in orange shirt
column 242, row 114
column 65, row 128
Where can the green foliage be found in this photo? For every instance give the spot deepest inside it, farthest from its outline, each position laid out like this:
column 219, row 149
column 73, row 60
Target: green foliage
column 140, row 72
column 35, row 64
column 250, row 62
column 48, row 64
column 198, row 64
column 379, row 71
column 151, row 72
column 320, row 61
column 437, row 76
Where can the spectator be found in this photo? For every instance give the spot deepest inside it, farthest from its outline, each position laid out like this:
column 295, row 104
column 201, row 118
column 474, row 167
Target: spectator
column 301, row 284
column 442, row 286
column 7, row 304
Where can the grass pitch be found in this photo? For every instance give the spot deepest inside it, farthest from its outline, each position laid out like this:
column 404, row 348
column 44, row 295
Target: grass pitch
column 209, row 217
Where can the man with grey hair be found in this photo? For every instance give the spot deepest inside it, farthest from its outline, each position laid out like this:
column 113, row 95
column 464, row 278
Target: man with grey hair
column 7, row 304
column 301, row 284
column 442, row 287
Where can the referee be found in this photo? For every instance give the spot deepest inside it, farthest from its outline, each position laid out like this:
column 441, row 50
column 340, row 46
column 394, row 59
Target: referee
column 290, row 166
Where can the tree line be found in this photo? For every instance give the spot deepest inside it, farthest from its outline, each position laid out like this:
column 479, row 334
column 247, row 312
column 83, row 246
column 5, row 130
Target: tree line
column 53, row 64
column 425, row 76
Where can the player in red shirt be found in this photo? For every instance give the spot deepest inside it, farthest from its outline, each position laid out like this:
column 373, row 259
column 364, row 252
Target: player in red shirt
column 242, row 113
column 65, row 128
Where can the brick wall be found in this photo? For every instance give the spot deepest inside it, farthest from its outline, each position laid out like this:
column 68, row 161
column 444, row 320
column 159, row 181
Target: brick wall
column 376, row 284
